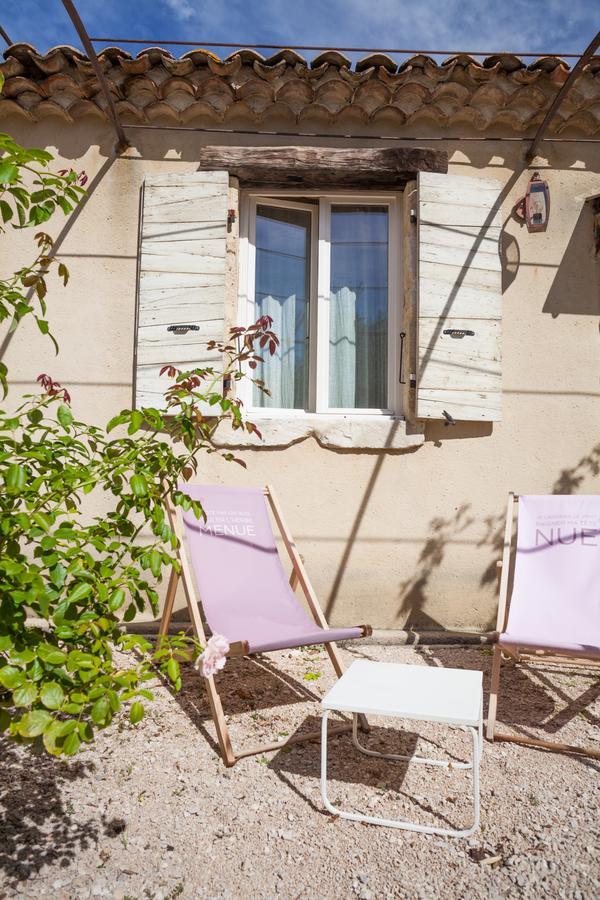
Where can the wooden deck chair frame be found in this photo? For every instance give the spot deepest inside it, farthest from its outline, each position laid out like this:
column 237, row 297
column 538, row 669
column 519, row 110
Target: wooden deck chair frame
column 299, row 577
column 528, row 656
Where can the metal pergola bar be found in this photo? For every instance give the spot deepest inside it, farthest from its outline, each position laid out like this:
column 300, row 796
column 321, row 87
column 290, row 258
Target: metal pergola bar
column 573, row 76
column 122, row 142
column 154, row 42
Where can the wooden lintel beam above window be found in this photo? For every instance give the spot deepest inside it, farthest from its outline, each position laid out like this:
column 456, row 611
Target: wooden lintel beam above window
column 324, row 167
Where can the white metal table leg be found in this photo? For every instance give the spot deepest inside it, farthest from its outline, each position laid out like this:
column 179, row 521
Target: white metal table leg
column 476, row 736
column 424, row 760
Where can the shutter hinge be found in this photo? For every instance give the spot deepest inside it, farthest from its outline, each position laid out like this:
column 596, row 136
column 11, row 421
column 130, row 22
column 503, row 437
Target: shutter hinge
column 413, row 216
column 449, row 419
column 231, row 217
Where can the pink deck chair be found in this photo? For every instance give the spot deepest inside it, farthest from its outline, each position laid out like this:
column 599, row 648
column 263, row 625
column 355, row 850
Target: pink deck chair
column 244, row 591
column 553, row 612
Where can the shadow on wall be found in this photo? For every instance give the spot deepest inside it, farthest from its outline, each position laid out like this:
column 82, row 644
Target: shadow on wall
column 413, row 591
column 576, row 286
column 446, row 531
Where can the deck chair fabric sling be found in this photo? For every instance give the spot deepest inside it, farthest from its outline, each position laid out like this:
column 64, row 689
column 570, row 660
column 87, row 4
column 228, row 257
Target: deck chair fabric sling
column 244, row 591
column 553, row 613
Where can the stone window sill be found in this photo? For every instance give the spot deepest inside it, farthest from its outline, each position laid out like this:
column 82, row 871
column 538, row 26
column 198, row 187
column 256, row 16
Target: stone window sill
column 338, row 432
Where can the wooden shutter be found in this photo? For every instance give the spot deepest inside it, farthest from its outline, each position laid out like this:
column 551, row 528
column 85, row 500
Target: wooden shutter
column 181, row 276
column 460, row 289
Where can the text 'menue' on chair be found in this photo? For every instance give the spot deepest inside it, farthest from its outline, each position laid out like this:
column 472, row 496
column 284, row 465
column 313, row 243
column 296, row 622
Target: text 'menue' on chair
column 244, row 591
column 553, row 612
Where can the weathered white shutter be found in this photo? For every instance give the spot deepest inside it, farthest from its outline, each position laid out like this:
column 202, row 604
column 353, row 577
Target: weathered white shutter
column 459, row 291
column 181, row 276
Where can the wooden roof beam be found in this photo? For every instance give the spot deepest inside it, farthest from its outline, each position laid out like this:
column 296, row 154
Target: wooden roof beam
column 558, row 100
column 323, row 167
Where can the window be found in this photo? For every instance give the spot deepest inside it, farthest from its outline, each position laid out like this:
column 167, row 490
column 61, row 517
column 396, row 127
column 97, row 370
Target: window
column 326, row 269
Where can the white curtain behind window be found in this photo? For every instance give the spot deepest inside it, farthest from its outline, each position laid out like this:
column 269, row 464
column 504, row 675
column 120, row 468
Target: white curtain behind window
column 278, row 371
column 342, row 340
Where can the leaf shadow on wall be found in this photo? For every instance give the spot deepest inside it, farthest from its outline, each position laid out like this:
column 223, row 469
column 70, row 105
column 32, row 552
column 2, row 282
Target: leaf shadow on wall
column 456, row 529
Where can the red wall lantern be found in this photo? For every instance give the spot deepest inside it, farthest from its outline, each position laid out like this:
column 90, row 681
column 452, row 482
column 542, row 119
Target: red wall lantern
column 534, row 207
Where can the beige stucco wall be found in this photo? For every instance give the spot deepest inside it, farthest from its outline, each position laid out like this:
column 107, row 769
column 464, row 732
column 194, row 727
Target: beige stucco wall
column 396, row 538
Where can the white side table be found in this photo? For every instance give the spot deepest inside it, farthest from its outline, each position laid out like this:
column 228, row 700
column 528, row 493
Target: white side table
column 449, row 696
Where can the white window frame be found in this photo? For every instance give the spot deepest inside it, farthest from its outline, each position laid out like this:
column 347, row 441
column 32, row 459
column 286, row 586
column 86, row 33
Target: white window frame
column 319, row 298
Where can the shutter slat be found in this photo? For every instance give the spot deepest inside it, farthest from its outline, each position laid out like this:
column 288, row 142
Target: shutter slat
column 182, row 276
column 459, row 362
column 459, row 287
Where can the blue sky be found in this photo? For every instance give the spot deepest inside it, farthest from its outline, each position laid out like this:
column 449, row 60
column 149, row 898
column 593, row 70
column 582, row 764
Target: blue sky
column 521, row 25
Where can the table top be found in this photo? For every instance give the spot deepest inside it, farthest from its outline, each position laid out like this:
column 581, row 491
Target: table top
column 427, row 693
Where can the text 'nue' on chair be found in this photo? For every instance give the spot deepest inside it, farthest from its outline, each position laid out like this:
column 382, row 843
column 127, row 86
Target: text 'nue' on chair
column 552, row 612
column 232, row 560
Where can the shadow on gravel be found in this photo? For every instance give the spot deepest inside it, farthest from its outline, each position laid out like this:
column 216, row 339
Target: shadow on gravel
column 345, row 765
column 247, row 685
column 37, row 827
column 531, row 700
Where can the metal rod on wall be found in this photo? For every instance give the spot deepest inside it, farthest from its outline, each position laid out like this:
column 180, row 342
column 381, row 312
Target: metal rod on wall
column 122, row 141
column 363, row 137
column 153, row 42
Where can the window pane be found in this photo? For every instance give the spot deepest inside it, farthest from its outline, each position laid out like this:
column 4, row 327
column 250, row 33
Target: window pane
column 282, row 284
column 358, row 321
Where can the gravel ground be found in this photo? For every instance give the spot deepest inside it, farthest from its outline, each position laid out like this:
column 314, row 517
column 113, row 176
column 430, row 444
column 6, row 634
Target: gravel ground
column 151, row 812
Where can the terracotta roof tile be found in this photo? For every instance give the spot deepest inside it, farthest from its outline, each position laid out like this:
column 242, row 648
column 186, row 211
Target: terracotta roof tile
column 200, row 87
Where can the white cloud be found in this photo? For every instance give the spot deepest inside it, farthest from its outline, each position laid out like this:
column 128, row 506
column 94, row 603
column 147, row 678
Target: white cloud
column 183, row 9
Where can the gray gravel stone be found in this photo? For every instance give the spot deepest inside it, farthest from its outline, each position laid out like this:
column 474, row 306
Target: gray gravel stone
column 101, row 825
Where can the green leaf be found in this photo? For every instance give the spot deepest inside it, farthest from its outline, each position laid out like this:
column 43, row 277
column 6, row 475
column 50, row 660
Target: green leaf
column 130, row 613
column 11, row 677
column 136, row 420
column 5, row 211
column 117, row 599
column 35, row 416
column 136, row 713
column 312, row 676
column 155, row 562
column 34, row 723
column 71, row 744
column 52, row 695
column 139, row 485
column 85, row 731
column 100, row 712
column 79, row 592
column 64, row 415
column 173, row 669
column 21, row 657
column 15, row 478
column 117, row 420
column 25, row 694
column 9, row 172
column 4, row 720
column 51, row 655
